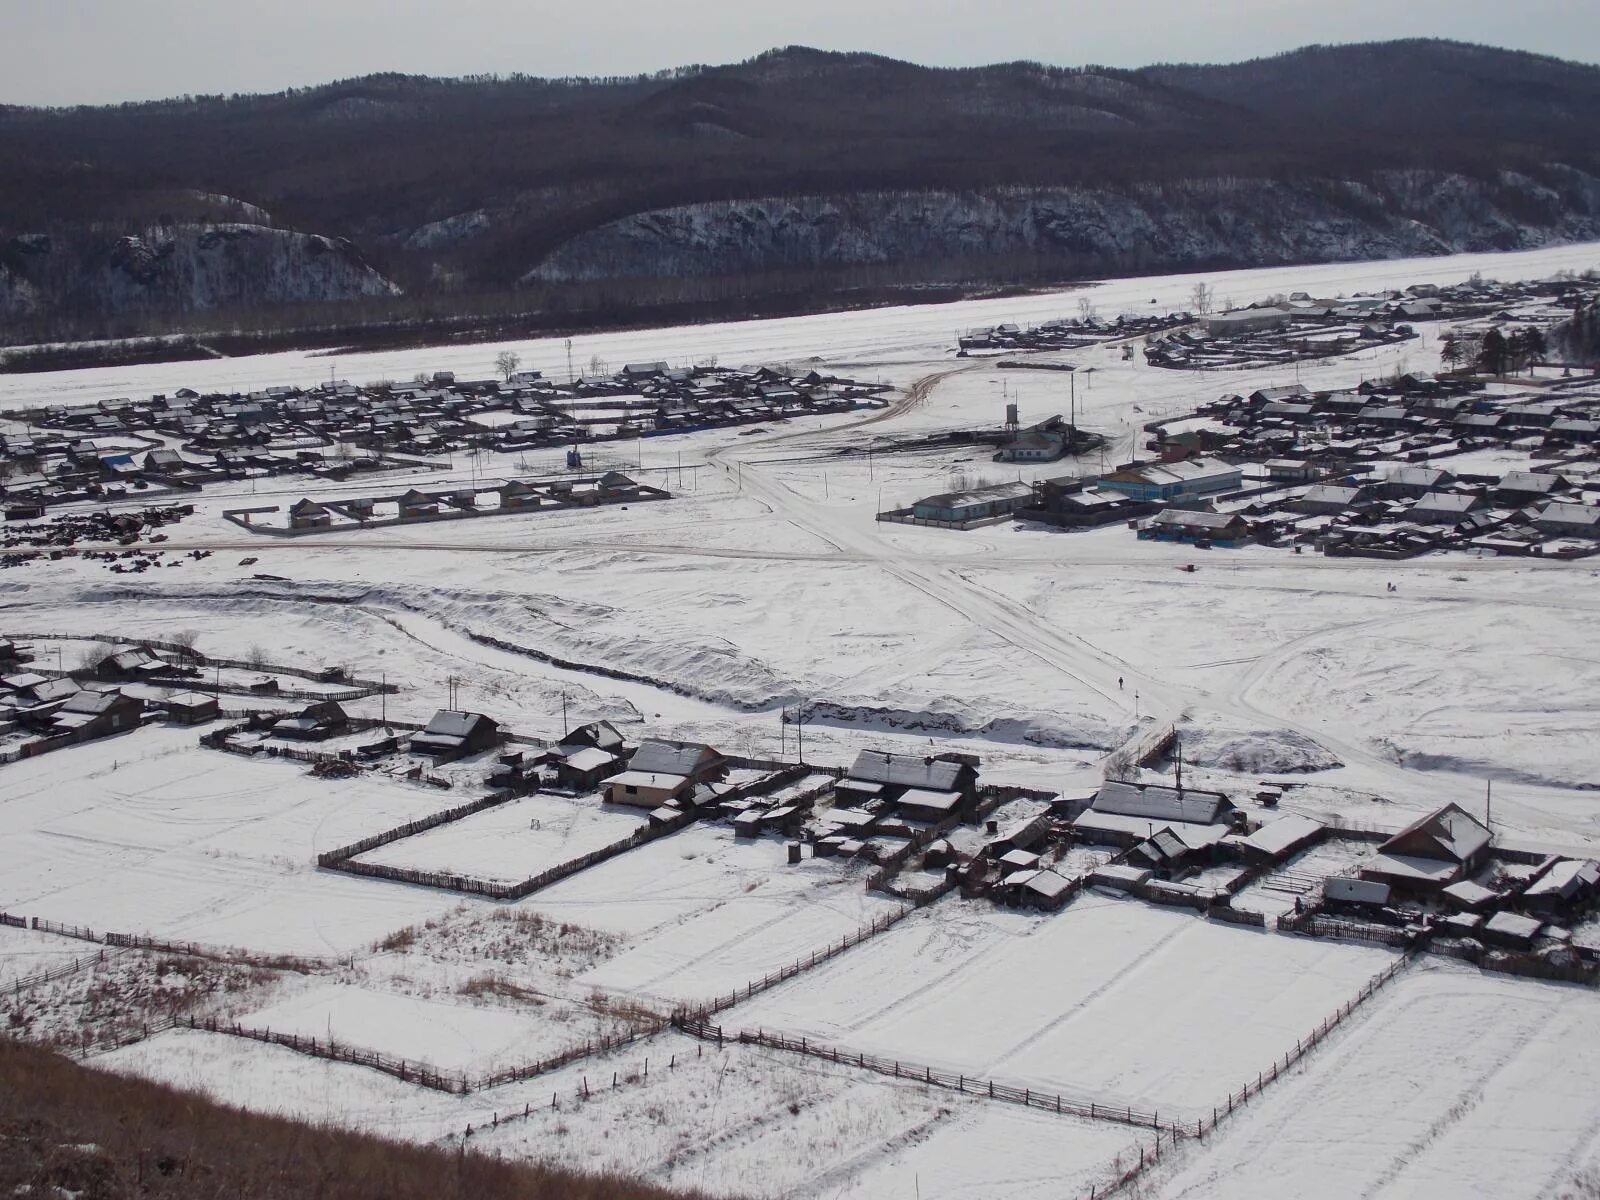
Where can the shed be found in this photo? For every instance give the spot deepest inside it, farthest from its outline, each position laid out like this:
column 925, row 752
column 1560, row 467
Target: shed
column 1342, row 892
column 192, row 708
column 316, row 721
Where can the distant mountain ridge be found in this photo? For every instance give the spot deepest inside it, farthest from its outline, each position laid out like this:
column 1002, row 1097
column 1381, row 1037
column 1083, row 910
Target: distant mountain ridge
column 402, row 194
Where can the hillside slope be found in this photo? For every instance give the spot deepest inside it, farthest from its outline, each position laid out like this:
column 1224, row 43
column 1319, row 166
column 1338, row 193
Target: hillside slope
column 424, row 196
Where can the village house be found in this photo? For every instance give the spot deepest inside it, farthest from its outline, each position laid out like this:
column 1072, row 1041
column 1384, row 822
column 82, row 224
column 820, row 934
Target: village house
column 1432, row 852
column 1517, row 488
column 1412, row 483
column 1200, row 528
column 1124, row 814
column 126, row 666
column 1444, row 508
column 452, row 734
column 192, row 708
column 662, row 772
column 97, row 714
column 1173, row 481
column 920, row 788
column 957, row 508
column 1330, row 499
column 306, row 513
column 1066, row 502
column 1562, row 519
column 315, row 722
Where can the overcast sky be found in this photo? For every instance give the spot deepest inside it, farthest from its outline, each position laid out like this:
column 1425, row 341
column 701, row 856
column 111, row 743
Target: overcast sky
column 97, row 51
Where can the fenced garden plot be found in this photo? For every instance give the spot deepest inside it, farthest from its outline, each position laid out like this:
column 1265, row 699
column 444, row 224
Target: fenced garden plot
column 745, row 1120
column 1080, row 1002
column 510, row 842
column 469, row 1046
column 703, row 912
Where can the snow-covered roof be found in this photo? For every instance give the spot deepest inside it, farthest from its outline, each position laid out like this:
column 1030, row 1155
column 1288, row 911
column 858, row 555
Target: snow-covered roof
column 1451, row 834
column 1278, row 837
column 590, row 758
column 1154, row 801
column 671, row 759
column 906, row 770
column 664, row 780
column 1513, row 925
column 928, row 798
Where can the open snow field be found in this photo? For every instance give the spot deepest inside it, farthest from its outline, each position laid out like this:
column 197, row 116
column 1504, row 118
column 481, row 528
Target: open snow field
column 1056, row 1003
column 767, row 582
column 1451, row 1083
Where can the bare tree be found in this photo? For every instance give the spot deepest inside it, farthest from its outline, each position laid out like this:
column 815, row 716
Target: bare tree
column 1202, row 299
column 1086, row 310
column 507, row 362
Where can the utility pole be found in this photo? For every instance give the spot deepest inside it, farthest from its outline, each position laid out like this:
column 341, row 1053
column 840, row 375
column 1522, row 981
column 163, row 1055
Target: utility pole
column 564, row 714
column 800, row 730
column 571, row 378
column 1488, row 804
column 383, row 698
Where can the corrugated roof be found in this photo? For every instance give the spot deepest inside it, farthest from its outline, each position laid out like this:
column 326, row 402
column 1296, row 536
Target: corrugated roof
column 906, row 770
column 668, row 759
column 1156, row 802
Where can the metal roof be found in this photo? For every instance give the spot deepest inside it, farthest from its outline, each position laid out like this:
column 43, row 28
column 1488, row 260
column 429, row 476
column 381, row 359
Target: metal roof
column 907, row 770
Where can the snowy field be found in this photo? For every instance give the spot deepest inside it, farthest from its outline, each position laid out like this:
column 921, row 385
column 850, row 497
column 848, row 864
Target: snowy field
column 764, row 583
column 1450, row 1084
column 1055, row 1003
column 146, row 833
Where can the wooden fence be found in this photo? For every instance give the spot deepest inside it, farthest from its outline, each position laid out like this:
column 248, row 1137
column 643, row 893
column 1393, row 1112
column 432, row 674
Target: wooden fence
column 1317, row 925
column 967, row 1085
column 1237, row 1100
column 422, row 1073
column 343, row 859
column 231, row 954
column 18, row 986
column 1305, row 1045
column 772, row 979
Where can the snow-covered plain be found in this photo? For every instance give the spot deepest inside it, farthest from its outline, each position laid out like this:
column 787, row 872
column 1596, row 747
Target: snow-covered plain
column 767, row 582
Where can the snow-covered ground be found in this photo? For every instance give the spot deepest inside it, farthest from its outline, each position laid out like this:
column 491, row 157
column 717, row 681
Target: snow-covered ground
column 766, row 583
column 1450, row 1083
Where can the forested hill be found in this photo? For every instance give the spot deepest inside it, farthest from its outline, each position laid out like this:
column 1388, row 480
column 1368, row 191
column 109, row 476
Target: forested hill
column 789, row 172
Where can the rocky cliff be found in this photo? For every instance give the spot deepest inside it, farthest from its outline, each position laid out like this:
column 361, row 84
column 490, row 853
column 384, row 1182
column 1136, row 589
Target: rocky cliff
column 1189, row 224
column 181, row 268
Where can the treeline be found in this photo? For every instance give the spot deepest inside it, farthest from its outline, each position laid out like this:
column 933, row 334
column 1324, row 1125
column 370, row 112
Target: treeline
column 66, row 1130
